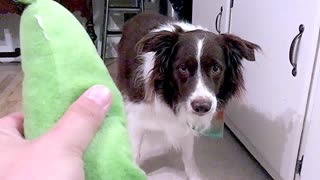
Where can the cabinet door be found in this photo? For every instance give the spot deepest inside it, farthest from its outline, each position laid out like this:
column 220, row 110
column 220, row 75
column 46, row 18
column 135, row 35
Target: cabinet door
column 310, row 146
column 269, row 117
column 211, row 14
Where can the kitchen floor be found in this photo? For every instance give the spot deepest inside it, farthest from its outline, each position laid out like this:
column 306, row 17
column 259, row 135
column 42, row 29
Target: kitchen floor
column 218, row 159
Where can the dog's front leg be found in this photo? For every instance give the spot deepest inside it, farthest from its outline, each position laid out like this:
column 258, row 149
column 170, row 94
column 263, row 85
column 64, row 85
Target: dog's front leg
column 136, row 135
column 188, row 159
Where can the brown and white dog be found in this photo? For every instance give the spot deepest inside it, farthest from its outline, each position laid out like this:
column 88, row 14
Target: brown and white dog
column 174, row 77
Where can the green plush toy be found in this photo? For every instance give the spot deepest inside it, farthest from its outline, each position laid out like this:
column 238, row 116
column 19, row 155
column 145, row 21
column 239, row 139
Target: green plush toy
column 60, row 62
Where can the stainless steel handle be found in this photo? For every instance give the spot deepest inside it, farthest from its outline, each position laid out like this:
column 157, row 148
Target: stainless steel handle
column 218, row 21
column 293, row 60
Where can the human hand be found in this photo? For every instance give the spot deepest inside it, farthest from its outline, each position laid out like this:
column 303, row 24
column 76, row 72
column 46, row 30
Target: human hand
column 56, row 155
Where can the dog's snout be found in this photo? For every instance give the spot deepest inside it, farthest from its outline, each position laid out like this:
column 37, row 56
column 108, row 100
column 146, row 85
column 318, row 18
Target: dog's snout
column 201, row 106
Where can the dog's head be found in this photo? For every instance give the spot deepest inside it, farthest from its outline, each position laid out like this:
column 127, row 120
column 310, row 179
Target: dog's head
column 195, row 72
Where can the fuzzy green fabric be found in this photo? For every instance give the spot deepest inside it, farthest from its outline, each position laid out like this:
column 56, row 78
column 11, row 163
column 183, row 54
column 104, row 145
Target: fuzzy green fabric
column 60, row 62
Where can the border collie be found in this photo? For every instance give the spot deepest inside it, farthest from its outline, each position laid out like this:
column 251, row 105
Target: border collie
column 174, row 77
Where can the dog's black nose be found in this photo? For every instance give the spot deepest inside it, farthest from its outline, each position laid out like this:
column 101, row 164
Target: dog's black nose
column 201, row 106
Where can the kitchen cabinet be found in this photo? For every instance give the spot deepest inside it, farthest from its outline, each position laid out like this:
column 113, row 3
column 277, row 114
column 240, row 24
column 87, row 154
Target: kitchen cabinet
column 212, row 14
column 270, row 116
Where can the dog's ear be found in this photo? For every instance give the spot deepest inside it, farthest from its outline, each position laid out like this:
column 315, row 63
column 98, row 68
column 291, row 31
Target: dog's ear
column 238, row 48
column 162, row 44
column 159, row 42
column 235, row 49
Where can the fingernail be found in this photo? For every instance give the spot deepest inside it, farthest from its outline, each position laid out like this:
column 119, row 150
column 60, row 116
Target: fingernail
column 100, row 95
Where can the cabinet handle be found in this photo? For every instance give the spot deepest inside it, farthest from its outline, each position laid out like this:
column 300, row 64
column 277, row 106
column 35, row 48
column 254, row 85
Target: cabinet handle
column 218, row 21
column 293, row 60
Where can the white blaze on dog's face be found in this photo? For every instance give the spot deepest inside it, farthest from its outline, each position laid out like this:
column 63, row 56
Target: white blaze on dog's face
column 201, row 103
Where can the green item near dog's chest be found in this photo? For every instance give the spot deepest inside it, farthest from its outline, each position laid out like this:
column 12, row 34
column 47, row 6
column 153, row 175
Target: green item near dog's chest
column 60, row 62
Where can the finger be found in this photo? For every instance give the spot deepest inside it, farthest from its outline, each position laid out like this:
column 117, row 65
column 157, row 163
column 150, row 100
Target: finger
column 79, row 124
column 12, row 124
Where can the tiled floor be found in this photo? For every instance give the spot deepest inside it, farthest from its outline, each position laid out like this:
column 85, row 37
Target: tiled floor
column 218, row 159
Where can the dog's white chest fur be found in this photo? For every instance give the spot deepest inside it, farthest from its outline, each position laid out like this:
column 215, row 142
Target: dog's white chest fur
column 157, row 117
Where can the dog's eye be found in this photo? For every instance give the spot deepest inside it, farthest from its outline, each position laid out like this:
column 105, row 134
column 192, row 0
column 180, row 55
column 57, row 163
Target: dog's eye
column 216, row 68
column 183, row 69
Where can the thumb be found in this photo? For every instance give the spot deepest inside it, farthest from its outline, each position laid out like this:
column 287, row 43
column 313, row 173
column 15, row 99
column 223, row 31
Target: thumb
column 79, row 124
column 12, row 124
